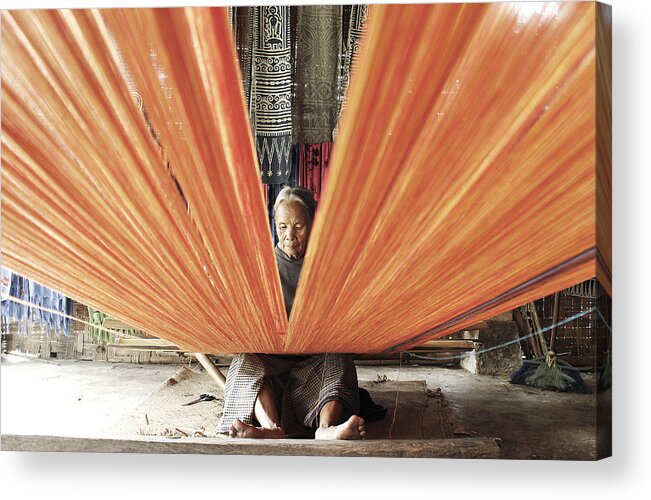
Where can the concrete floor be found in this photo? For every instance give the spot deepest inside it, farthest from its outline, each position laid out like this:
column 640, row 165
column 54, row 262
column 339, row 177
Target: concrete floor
column 83, row 398
column 533, row 424
column 71, row 397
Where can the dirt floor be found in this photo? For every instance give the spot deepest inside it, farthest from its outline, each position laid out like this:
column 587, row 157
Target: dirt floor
column 84, row 398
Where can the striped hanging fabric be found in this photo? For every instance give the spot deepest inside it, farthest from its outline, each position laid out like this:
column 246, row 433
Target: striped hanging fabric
column 355, row 27
column 312, row 166
column 271, row 90
column 318, row 47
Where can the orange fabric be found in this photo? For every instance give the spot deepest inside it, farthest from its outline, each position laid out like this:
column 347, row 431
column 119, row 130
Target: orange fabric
column 475, row 124
column 482, row 143
column 88, row 205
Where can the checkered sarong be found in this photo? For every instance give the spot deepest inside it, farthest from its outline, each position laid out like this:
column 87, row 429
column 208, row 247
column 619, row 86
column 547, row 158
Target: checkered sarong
column 302, row 387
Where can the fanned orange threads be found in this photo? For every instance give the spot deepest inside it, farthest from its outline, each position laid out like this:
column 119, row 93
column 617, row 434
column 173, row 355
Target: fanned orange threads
column 395, row 403
column 206, row 134
column 89, row 206
column 462, row 182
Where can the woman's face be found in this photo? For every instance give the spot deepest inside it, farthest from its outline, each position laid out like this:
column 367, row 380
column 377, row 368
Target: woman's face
column 293, row 226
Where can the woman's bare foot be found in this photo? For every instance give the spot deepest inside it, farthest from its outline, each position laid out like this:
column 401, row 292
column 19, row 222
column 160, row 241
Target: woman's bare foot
column 241, row 430
column 353, row 428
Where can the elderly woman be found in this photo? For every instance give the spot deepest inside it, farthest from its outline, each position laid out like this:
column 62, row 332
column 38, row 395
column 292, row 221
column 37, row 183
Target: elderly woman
column 277, row 396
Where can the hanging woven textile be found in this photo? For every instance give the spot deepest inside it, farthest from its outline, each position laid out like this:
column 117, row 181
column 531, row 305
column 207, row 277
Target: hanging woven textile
column 33, row 298
column 241, row 21
column 271, row 89
column 7, row 305
column 355, row 27
column 317, row 66
column 313, row 160
column 321, row 55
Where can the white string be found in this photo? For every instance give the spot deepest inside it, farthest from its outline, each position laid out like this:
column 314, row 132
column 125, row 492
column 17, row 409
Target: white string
column 519, row 339
column 395, row 405
column 115, row 333
column 447, row 358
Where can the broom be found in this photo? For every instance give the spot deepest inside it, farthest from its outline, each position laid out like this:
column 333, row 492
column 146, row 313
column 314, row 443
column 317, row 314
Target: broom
column 548, row 374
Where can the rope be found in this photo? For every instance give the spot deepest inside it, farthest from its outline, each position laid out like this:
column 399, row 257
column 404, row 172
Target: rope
column 115, row 333
column 395, row 406
column 447, row 358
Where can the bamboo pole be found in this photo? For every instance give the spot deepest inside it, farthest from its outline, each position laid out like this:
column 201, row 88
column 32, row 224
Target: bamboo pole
column 552, row 339
column 212, row 370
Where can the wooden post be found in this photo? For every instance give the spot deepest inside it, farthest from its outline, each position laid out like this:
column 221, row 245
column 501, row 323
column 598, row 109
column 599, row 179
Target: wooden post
column 45, row 343
column 537, row 327
column 552, row 339
column 523, row 327
column 212, row 370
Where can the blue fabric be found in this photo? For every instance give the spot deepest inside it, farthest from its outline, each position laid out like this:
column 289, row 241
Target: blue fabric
column 68, row 311
column 33, row 299
column 22, row 288
column 21, row 311
column 56, row 306
column 47, row 303
column 6, row 286
column 37, row 299
column 61, row 321
column 13, row 292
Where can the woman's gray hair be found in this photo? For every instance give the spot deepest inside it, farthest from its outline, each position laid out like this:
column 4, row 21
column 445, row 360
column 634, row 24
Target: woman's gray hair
column 298, row 194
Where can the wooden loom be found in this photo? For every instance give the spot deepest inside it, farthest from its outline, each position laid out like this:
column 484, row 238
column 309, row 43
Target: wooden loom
column 497, row 122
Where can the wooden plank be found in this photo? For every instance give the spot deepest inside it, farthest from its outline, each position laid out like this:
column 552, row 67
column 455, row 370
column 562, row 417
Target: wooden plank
column 416, row 356
column 480, row 325
column 136, row 347
column 116, row 324
column 447, row 344
column 396, row 362
column 473, row 447
column 537, row 327
column 46, row 347
column 519, row 315
column 581, row 360
column 142, row 343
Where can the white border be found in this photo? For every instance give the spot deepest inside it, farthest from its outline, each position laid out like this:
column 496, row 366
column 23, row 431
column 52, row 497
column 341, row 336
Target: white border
column 624, row 476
